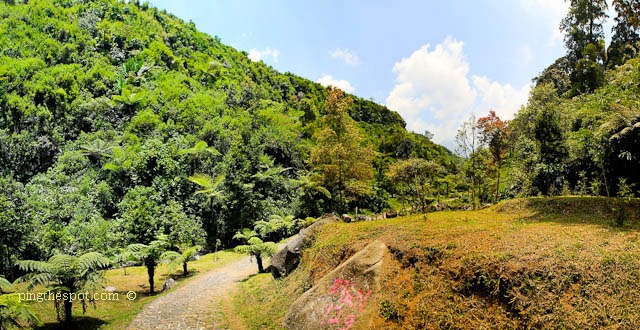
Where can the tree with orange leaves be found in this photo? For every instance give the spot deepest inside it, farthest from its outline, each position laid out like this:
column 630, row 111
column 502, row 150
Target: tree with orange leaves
column 494, row 133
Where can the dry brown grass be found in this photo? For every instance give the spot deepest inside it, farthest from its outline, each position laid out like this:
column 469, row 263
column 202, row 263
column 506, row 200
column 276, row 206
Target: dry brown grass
column 535, row 263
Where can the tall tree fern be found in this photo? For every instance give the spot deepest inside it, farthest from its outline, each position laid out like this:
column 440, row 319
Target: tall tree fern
column 66, row 276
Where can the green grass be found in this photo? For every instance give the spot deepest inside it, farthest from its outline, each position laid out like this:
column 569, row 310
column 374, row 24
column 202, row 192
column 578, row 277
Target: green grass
column 117, row 314
column 532, row 263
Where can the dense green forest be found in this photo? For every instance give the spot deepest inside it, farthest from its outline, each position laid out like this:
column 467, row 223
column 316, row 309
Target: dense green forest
column 579, row 132
column 124, row 131
column 119, row 122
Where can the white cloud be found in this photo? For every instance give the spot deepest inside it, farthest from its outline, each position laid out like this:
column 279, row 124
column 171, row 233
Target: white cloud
column 434, row 91
column 257, row 55
column 328, row 80
column 503, row 98
column 349, row 57
column 433, row 82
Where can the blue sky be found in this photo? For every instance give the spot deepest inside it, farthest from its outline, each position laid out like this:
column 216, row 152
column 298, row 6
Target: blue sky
column 435, row 62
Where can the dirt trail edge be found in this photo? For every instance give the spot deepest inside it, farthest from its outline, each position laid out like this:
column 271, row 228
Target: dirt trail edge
column 197, row 304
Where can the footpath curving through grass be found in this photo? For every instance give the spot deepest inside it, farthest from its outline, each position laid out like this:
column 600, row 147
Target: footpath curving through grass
column 116, row 314
column 531, row 263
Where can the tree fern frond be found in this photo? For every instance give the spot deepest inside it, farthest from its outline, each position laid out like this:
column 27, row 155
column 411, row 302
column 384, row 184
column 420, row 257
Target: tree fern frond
column 190, row 253
column 35, row 279
column 323, row 191
column 269, row 249
column 93, row 261
column 244, row 249
column 137, row 247
column 170, row 256
column 245, row 234
column 201, row 180
column 34, row 266
column 62, row 263
column 254, row 241
column 5, row 285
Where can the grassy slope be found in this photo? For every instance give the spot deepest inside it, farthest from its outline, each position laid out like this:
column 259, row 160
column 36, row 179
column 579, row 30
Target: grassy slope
column 118, row 314
column 558, row 263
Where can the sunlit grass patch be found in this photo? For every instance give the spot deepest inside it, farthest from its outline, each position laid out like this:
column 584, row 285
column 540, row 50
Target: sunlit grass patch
column 116, row 314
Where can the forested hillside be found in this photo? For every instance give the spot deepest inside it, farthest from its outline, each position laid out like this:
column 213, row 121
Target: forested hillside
column 119, row 122
column 579, row 133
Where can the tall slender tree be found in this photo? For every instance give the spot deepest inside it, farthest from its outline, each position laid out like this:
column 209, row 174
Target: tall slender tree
column 211, row 188
column 584, row 40
column 342, row 156
column 469, row 144
column 149, row 255
column 583, row 25
column 625, row 42
column 495, row 134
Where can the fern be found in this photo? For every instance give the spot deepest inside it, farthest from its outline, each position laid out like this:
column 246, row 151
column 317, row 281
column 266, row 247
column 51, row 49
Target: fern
column 175, row 259
column 5, row 286
column 14, row 313
column 66, row 274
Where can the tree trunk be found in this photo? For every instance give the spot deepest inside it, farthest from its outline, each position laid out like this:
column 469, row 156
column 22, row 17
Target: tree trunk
column 184, row 268
column 604, row 178
column 497, row 186
column 212, row 226
column 151, row 270
column 259, row 261
column 68, row 304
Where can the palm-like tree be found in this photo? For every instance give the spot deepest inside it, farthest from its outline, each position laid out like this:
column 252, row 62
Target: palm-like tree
column 199, row 149
column 175, row 258
column 285, row 223
column 65, row 275
column 122, row 259
column 255, row 247
column 310, row 183
column 97, row 149
column 13, row 312
column 264, row 228
column 149, row 255
column 211, row 188
column 279, row 226
column 270, row 173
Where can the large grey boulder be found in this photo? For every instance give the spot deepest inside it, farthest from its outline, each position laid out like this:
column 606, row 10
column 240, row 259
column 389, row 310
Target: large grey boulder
column 287, row 259
column 168, row 284
column 344, row 298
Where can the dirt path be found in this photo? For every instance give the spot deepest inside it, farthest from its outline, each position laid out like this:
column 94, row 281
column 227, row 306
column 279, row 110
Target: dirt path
column 197, row 304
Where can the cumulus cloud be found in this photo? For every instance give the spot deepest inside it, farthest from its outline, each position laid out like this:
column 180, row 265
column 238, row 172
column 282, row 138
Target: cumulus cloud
column 433, row 82
column 503, row 98
column 434, row 91
column 347, row 56
column 328, row 80
column 257, row 55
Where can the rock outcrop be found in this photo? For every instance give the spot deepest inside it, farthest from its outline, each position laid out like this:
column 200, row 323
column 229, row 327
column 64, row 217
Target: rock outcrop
column 287, row 259
column 344, row 298
column 168, row 284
